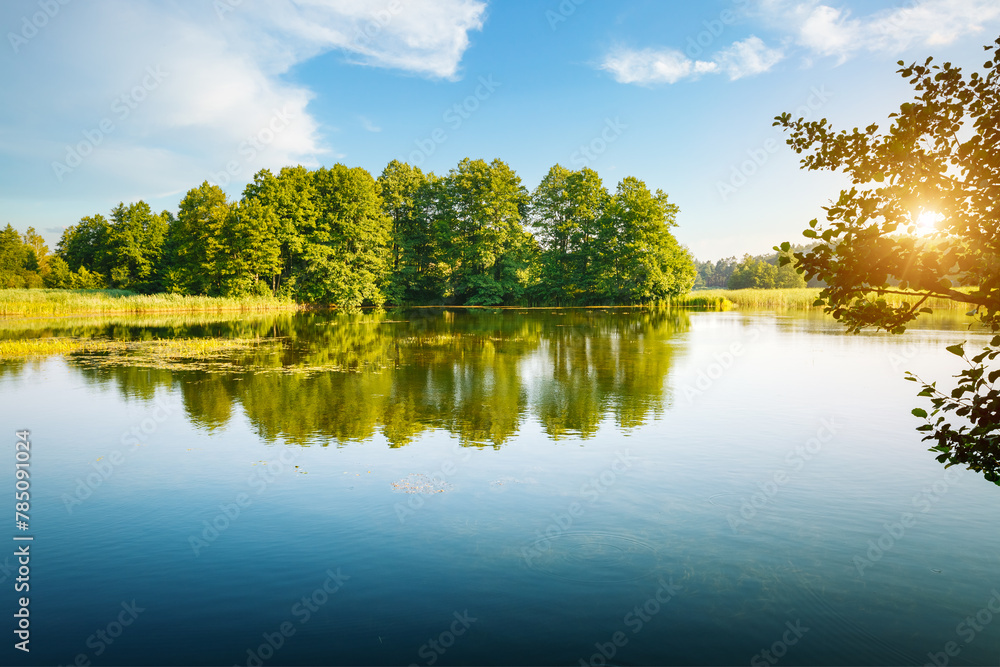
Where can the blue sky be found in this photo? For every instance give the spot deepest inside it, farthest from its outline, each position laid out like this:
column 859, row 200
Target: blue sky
column 109, row 101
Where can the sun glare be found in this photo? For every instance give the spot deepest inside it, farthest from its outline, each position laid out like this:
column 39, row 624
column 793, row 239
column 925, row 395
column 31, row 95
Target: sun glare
column 926, row 223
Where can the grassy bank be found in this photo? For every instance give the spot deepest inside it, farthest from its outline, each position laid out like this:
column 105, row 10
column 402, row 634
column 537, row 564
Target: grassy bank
column 750, row 299
column 41, row 302
column 60, row 302
column 784, row 299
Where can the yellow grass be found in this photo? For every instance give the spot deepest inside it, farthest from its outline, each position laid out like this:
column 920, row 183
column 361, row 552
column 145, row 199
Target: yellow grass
column 41, row 302
column 786, row 299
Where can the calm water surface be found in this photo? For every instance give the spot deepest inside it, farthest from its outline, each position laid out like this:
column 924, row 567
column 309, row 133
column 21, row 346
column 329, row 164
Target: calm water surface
column 521, row 488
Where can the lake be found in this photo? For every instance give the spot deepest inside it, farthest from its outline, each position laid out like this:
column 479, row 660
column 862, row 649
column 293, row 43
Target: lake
column 520, row 487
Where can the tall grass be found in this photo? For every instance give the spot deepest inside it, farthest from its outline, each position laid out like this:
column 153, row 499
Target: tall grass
column 786, row 299
column 40, row 302
column 749, row 299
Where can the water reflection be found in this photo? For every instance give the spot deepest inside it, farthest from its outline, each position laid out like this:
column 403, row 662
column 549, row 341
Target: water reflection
column 317, row 378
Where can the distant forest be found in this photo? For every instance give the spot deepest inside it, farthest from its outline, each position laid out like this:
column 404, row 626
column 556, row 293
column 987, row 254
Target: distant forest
column 475, row 236
column 762, row 272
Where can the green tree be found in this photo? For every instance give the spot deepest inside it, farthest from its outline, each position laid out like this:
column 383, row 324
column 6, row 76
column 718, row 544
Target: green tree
column 59, row 275
column 194, row 239
column 83, row 244
column 479, row 229
column 567, row 210
column 414, row 252
column 13, row 257
column 753, row 272
column 345, row 257
column 291, row 197
column 639, row 259
column 249, row 253
column 132, row 246
column 941, row 153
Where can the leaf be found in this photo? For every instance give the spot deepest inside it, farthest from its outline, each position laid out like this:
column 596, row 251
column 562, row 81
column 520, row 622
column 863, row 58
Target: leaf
column 957, row 350
column 919, row 412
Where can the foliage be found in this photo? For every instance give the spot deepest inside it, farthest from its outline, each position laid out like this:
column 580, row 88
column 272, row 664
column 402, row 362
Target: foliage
column 756, row 273
column 941, row 155
column 337, row 236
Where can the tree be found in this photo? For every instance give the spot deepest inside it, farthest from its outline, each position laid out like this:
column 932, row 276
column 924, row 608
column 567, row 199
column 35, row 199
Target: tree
column 59, row 275
column 638, row 259
column 249, row 254
column 345, row 256
column 291, row 197
column 132, row 245
column 753, row 272
column 404, row 190
column 478, row 226
column 83, row 244
column 940, row 154
column 567, row 209
column 194, row 240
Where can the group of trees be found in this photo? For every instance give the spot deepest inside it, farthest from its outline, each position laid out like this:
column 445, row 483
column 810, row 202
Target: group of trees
column 25, row 260
column 475, row 236
column 760, row 272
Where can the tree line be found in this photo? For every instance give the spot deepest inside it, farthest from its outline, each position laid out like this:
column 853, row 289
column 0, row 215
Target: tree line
column 475, row 236
column 759, row 272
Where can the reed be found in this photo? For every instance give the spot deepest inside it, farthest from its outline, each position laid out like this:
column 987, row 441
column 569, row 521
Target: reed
column 40, row 302
column 749, row 299
column 787, row 299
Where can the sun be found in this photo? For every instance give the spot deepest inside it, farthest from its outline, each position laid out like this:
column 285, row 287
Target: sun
column 926, row 223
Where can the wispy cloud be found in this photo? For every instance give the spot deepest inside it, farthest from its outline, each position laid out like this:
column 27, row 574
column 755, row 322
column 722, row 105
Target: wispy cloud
column 653, row 66
column 817, row 30
column 747, row 58
column 835, row 31
column 223, row 101
column 368, row 124
column 650, row 66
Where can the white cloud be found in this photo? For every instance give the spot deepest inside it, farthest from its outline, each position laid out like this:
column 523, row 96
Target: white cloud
column 648, row 66
column 747, row 58
column 426, row 37
column 653, row 66
column 820, row 29
column 368, row 124
column 221, row 100
column 827, row 30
